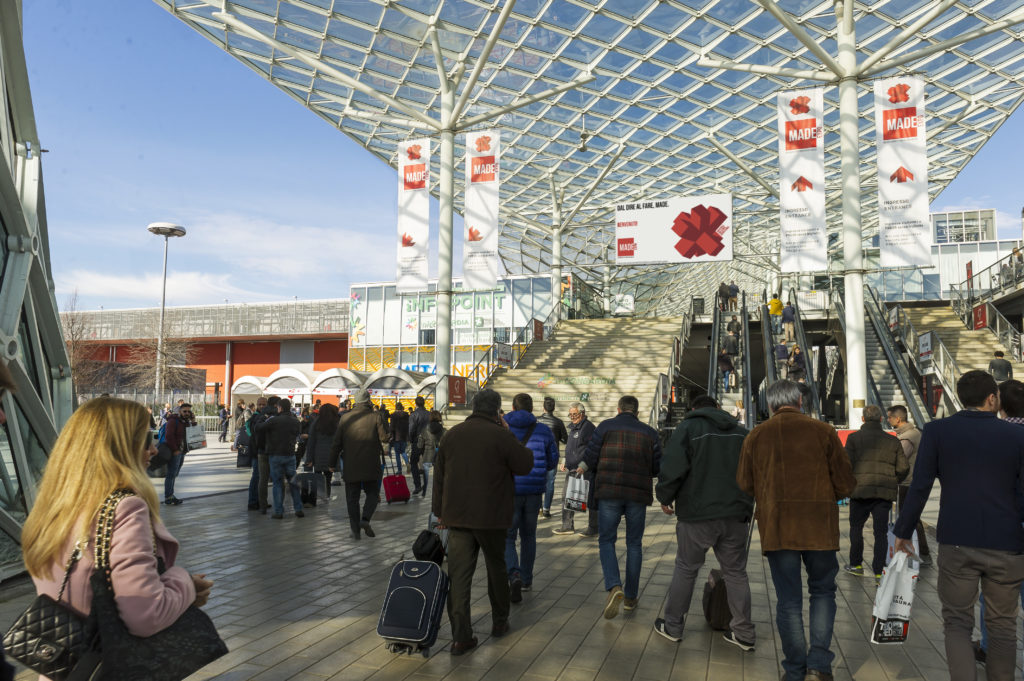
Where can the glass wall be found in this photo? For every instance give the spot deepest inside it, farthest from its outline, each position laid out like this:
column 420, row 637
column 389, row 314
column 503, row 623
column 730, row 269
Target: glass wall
column 392, row 330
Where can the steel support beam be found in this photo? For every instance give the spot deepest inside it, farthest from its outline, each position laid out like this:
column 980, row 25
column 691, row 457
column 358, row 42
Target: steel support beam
column 760, row 69
column 445, row 238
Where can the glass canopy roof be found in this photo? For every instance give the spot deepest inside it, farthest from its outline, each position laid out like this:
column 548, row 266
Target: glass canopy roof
column 674, row 117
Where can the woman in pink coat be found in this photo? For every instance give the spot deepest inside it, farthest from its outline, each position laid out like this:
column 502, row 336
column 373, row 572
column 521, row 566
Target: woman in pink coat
column 106, row 445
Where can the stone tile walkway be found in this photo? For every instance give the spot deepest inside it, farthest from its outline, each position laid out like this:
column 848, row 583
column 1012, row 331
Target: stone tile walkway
column 299, row 599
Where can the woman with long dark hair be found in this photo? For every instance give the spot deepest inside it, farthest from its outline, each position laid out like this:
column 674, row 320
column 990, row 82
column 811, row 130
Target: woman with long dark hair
column 318, row 446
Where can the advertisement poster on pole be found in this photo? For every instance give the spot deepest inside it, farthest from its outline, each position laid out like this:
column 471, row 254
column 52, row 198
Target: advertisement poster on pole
column 970, row 280
column 803, row 239
column 904, row 227
column 457, row 390
column 413, row 215
column 894, row 319
column 503, row 355
column 980, row 316
column 480, row 250
column 674, row 230
column 924, row 351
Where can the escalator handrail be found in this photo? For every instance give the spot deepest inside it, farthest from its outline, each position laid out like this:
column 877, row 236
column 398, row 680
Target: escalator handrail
column 874, row 397
column 768, row 341
column 748, row 407
column 801, row 339
column 713, row 349
column 873, row 306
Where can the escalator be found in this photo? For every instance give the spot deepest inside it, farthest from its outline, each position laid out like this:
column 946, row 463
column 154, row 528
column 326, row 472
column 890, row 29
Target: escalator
column 814, row 408
column 714, row 349
column 750, row 346
column 746, row 360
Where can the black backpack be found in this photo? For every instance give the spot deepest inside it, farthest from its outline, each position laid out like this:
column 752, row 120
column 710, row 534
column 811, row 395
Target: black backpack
column 428, row 546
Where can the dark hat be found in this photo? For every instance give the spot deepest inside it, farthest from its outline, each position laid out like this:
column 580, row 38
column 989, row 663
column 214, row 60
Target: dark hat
column 487, row 402
column 361, row 396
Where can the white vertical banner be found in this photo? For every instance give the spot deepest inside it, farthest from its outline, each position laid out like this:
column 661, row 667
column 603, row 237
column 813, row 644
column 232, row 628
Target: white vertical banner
column 480, row 252
column 802, row 236
column 904, row 229
column 413, row 215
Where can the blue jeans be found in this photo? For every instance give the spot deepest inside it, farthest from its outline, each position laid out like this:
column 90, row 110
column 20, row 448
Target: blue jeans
column 549, row 492
column 609, row 513
column 400, row 454
column 173, row 467
column 283, row 468
column 426, row 474
column 524, row 523
column 822, row 567
column 776, row 324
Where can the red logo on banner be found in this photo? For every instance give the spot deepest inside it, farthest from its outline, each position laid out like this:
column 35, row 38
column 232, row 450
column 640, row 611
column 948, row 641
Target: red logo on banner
column 483, row 143
column 414, row 152
column 474, row 235
column 627, row 247
column 799, row 105
column 899, row 93
column 699, row 231
column 407, row 241
column 802, row 134
column 415, row 176
column 482, row 169
column 901, row 175
column 802, row 184
column 899, row 123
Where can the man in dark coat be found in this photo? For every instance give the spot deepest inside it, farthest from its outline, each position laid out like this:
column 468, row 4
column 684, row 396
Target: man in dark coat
column 177, row 443
column 418, row 420
column 625, row 456
column 879, row 465
column 557, row 427
column 580, row 430
column 358, row 442
column 474, row 497
column 280, row 432
column 399, row 427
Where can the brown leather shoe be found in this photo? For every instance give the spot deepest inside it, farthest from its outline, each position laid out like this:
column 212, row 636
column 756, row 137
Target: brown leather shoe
column 499, row 630
column 463, row 647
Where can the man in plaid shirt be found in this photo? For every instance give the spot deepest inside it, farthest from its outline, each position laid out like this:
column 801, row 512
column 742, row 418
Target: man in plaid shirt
column 625, row 456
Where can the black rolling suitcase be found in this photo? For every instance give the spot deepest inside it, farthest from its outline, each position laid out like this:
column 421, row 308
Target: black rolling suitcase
column 413, row 606
column 308, row 486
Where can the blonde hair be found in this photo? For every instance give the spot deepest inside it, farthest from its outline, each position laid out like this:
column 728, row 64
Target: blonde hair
column 99, row 450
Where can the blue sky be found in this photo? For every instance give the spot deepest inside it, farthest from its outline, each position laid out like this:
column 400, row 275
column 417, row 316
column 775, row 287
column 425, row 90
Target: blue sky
column 145, row 120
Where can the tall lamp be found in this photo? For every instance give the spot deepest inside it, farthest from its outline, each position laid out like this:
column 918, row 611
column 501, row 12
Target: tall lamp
column 166, row 230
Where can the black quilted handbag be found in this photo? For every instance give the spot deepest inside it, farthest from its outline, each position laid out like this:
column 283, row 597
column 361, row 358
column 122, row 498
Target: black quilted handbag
column 172, row 654
column 49, row 637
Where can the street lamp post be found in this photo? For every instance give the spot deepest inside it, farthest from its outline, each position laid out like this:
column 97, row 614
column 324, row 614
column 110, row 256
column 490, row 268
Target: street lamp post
column 166, row 230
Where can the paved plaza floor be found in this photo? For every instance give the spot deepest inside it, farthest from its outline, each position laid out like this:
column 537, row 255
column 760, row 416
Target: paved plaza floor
column 299, row 599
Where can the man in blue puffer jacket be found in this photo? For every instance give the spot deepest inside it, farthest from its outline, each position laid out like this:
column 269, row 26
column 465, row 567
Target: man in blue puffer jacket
column 539, row 439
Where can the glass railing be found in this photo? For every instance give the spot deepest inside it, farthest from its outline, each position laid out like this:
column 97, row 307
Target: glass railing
column 663, row 390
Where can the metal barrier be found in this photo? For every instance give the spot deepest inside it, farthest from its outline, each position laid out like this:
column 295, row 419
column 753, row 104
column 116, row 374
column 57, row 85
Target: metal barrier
column 1007, row 334
column 660, row 397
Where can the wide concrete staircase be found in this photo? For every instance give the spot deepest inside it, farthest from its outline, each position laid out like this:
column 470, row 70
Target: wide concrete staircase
column 971, row 349
column 595, row 362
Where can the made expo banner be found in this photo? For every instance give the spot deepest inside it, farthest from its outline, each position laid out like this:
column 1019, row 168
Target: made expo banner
column 904, row 228
column 803, row 239
column 413, row 215
column 480, row 250
column 674, row 230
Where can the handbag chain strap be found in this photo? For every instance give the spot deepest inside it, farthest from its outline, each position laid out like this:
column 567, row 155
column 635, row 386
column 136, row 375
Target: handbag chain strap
column 76, row 553
column 105, row 528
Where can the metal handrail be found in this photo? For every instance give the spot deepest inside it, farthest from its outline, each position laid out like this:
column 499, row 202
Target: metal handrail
column 716, row 326
column 1001, row 275
column 673, row 368
column 946, row 367
column 1005, row 332
column 748, row 389
column 874, row 397
column 771, row 372
column 801, row 339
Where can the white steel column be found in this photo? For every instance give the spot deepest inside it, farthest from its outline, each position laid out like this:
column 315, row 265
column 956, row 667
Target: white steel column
column 227, row 375
column 607, row 292
column 556, row 248
column 853, row 254
column 445, row 221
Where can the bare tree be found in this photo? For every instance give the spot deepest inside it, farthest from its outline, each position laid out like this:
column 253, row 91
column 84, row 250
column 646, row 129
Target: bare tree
column 140, row 360
column 86, row 371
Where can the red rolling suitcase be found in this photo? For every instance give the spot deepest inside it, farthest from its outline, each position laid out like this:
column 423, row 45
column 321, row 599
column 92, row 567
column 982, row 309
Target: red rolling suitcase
column 395, row 487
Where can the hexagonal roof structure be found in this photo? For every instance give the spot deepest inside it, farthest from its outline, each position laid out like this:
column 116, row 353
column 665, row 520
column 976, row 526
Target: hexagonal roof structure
column 629, row 98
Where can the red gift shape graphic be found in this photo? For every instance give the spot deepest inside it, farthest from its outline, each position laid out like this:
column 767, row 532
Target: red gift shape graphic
column 414, row 152
column 407, row 241
column 483, row 143
column 698, row 231
column 474, row 235
column 899, row 93
column 799, row 105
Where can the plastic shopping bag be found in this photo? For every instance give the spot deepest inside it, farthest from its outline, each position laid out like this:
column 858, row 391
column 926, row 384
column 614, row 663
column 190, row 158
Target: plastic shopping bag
column 890, row 618
column 577, row 488
column 195, row 436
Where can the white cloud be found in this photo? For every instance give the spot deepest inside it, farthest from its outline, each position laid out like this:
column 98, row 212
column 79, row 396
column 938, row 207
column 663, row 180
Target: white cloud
column 183, row 288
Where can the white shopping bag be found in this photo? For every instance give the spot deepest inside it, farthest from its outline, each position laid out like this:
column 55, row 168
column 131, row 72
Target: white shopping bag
column 891, row 538
column 195, row 436
column 890, row 618
column 577, row 489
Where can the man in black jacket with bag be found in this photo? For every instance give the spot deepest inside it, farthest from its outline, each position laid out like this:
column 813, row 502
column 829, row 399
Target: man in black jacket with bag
column 698, row 481
column 357, row 441
column 280, row 432
column 580, row 430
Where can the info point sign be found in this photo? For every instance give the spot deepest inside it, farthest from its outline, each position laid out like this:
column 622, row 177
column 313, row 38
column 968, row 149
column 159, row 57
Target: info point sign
column 674, row 230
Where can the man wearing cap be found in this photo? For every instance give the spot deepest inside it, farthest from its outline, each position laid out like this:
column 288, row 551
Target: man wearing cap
column 358, row 443
column 474, row 497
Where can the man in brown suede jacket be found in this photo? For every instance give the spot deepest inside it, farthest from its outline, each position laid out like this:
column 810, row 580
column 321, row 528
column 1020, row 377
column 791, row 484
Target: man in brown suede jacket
column 474, row 497
column 796, row 469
